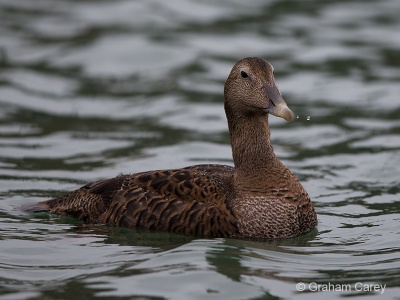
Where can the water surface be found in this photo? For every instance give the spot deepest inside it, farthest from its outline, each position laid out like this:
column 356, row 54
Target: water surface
column 91, row 89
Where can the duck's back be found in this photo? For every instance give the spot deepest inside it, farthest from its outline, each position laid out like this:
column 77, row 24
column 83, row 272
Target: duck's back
column 192, row 200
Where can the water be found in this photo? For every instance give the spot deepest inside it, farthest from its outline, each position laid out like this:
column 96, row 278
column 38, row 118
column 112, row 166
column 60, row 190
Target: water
column 89, row 89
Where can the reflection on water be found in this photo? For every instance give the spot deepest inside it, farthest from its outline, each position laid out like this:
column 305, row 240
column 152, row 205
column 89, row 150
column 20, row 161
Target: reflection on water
column 91, row 89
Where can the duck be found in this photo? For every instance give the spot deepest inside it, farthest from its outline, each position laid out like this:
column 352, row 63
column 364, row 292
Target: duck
column 257, row 198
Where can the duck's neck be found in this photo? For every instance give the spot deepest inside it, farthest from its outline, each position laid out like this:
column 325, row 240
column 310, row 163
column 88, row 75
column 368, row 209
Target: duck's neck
column 257, row 169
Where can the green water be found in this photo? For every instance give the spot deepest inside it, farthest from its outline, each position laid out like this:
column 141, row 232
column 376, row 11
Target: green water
column 91, row 89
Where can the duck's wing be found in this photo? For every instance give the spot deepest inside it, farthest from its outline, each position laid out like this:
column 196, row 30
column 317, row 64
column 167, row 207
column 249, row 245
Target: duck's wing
column 192, row 200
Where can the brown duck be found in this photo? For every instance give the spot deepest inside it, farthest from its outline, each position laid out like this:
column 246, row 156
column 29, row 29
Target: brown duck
column 257, row 198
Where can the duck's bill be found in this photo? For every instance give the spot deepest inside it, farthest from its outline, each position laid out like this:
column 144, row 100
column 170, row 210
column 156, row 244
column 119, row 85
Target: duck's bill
column 277, row 106
column 281, row 110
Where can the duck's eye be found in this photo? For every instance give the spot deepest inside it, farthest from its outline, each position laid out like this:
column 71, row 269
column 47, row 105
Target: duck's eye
column 244, row 74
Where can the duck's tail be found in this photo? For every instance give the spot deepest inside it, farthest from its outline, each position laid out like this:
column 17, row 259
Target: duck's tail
column 36, row 207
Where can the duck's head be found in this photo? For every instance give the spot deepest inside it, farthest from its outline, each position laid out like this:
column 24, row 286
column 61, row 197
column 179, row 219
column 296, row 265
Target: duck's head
column 250, row 89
